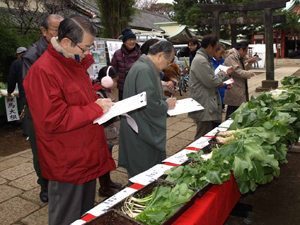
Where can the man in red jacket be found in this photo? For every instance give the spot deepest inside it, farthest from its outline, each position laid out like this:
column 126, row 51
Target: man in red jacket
column 72, row 150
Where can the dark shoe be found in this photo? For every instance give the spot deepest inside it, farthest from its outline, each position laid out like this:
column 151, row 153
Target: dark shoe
column 44, row 196
column 106, row 192
column 115, row 184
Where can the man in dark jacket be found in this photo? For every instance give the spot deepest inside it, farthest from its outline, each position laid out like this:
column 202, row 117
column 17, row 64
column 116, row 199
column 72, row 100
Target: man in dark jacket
column 15, row 77
column 125, row 57
column 49, row 29
column 72, row 150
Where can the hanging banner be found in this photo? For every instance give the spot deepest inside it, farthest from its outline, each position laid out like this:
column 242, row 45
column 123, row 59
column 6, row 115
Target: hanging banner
column 113, row 46
column 99, row 57
column 11, row 109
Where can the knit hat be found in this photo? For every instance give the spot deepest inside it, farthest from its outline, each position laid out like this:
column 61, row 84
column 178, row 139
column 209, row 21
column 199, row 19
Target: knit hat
column 127, row 34
column 20, row 50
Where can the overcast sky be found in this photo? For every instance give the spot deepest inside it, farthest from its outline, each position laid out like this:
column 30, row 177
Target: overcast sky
column 165, row 1
column 170, row 1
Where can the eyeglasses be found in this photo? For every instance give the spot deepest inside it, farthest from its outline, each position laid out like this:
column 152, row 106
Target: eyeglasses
column 82, row 49
column 85, row 50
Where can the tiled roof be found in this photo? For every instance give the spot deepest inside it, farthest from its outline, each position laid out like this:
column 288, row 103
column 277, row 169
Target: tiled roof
column 88, row 6
column 142, row 19
column 145, row 19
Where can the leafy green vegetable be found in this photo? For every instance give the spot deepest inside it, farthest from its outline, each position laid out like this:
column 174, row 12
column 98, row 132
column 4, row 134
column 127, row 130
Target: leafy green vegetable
column 290, row 80
column 264, row 127
column 165, row 201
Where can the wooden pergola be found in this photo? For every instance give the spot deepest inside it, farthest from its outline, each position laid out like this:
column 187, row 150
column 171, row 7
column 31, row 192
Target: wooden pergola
column 242, row 8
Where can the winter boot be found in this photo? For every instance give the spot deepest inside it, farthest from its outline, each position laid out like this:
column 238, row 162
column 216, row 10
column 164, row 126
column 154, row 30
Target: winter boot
column 105, row 190
column 114, row 184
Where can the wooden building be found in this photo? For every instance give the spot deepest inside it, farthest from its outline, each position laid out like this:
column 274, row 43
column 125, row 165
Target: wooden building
column 286, row 41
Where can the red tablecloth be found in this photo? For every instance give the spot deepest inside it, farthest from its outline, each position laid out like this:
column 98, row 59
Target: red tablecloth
column 213, row 207
column 210, row 209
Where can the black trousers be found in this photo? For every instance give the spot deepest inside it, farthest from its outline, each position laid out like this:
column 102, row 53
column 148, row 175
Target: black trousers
column 68, row 202
column 230, row 110
column 120, row 95
column 32, row 138
column 203, row 127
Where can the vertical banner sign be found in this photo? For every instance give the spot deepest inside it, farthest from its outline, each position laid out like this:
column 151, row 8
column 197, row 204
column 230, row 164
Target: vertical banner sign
column 11, row 109
column 113, row 46
column 99, row 57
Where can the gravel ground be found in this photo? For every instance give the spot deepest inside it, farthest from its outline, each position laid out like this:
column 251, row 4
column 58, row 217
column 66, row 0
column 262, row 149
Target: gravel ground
column 278, row 202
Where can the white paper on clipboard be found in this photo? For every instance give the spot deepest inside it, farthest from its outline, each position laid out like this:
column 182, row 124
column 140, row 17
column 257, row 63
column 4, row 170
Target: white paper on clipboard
column 124, row 106
column 184, row 106
column 221, row 68
column 229, row 81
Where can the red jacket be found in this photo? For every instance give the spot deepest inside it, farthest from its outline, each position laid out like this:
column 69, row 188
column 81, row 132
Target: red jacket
column 62, row 102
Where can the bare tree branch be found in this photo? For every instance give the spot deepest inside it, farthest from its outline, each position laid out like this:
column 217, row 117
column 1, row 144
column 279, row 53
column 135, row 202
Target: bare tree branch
column 144, row 4
column 27, row 15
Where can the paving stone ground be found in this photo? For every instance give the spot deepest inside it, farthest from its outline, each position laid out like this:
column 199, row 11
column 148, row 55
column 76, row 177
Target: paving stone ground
column 19, row 192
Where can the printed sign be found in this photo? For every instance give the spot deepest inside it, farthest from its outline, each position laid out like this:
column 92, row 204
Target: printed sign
column 113, row 46
column 11, row 109
column 99, row 57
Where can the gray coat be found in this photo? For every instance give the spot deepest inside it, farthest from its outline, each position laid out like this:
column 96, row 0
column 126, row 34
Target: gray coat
column 139, row 152
column 203, row 87
column 237, row 94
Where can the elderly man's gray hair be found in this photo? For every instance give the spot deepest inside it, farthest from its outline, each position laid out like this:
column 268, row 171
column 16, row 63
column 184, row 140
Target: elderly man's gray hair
column 162, row 46
column 221, row 45
column 46, row 21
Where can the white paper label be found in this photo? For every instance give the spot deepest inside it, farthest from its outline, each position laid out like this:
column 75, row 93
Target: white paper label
column 226, row 123
column 108, row 203
column 200, row 143
column 150, row 175
column 179, row 157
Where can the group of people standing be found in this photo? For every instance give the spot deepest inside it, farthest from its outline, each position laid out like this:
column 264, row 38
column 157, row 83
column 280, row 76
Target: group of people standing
column 209, row 88
column 70, row 152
